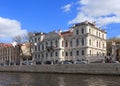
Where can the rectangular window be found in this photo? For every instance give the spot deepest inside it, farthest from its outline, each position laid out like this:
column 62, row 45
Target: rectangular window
column 46, row 54
column 90, row 42
column 82, row 41
column 70, row 43
column 62, row 43
column 38, row 47
column 99, row 34
column 66, row 53
column 56, row 43
column 35, row 39
column 35, row 56
column 103, row 45
column 90, row 52
column 97, row 44
column 82, row 31
column 35, row 48
column 96, row 33
column 42, row 55
column 56, row 54
column 47, row 44
column 82, row 52
column 42, row 47
column 71, row 53
column 103, row 36
column 62, row 53
column 89, row 30
column 77, row 53
column 66, row 44
column 51, row 54
column 77, row 32
column 77, row 42
column 51, row 43
column 38, row 55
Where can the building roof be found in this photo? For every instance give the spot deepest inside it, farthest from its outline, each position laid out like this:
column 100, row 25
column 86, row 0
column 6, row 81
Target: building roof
column 5, row 45
column 39, row 33
column 89, row 23
column 67, row 33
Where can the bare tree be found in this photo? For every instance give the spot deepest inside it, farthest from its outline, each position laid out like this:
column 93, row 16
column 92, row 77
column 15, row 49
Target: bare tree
column 17, row 39
column 23, row 38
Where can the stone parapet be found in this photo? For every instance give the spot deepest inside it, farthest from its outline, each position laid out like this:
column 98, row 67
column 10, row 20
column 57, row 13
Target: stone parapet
column 93, row 68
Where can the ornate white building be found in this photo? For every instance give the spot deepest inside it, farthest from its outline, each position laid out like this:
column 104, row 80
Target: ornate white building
column 81, row 41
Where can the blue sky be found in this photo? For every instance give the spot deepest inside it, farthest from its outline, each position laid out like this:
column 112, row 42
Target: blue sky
column 22, row 16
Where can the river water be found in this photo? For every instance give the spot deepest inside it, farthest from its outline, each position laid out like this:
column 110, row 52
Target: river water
column 38, row 79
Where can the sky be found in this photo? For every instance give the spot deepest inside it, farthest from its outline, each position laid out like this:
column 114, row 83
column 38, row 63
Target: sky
column 18, row 17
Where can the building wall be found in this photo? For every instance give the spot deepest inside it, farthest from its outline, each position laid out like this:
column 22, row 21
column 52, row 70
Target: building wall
column 9, row 54
column 80, row 41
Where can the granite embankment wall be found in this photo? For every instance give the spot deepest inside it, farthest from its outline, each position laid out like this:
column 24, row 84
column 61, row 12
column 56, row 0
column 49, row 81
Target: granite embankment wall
column 94, row 68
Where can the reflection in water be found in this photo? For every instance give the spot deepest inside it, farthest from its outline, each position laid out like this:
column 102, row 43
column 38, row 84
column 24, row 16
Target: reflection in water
column 37, row 79
column 61, row 81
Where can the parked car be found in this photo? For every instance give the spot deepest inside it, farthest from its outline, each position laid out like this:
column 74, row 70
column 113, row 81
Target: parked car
column 38, row 62
column 114, row 62
column 30, row 63
column 24, row 63
column 79, row 62
column 66, row 62
column 98, row 61
column 48, row 62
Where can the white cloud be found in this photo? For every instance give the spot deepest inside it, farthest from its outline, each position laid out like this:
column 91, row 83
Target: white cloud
column 67, row 8
column 102, row 11
column 10, row 28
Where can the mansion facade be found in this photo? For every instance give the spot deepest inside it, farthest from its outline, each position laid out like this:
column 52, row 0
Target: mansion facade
column 82, row 40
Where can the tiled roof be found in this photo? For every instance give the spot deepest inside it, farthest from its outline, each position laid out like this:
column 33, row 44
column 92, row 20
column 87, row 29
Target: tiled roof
column 67, row 33
column 5, row 45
